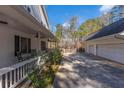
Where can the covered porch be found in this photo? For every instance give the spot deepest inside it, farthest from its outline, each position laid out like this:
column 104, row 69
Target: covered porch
column 20, row 33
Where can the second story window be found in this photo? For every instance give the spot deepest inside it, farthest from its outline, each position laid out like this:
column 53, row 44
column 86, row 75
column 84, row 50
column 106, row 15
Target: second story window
column 29, row 10
column 41, row 22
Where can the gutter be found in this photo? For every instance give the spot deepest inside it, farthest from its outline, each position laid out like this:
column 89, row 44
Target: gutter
column 45, row 14
column 46, row 17
column 115, row 36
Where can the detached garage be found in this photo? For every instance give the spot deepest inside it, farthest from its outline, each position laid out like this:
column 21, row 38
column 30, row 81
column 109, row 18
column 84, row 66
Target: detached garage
column 111, row 51
column 108, row 42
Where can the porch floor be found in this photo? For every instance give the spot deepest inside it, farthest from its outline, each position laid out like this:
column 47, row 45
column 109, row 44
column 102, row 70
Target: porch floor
column 25, row 84
column 83, row 70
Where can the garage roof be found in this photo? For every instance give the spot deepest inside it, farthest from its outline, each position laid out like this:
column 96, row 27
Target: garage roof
column 113, row 28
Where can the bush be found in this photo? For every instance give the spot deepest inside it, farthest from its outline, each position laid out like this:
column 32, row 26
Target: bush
column 35, row 77
column 43, row 76
column 80, row 50
column 55, row 56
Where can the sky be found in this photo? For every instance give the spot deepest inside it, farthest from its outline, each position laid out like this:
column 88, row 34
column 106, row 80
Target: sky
column 61, row 14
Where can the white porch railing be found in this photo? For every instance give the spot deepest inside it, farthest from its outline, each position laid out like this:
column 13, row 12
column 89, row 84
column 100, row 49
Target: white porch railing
column 11, row 76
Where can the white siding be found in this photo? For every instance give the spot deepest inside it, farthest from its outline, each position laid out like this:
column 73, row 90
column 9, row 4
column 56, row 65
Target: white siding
column 91, row 49
column 44, row 20
column 37, row 12
column 7, row 34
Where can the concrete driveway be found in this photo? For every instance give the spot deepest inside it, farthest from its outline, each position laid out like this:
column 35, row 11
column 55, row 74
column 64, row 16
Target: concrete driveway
column 88, row 71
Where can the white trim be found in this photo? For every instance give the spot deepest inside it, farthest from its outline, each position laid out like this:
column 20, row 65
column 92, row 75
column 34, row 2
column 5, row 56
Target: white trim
column 5, row 71
column 17, row 74
column 14, row 76
column 0, row 81
column 10, row 78
column 8, row 69
column 6, row 80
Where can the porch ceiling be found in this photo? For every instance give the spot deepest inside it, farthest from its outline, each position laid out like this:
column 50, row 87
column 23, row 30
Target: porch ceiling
column 18, row 18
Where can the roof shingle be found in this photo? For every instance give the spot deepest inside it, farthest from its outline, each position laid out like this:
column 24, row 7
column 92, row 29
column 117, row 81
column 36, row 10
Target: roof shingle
column 113, row 28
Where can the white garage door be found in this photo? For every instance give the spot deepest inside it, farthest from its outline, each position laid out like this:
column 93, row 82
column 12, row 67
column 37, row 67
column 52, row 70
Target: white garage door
column 112, row 51
column 91, row 49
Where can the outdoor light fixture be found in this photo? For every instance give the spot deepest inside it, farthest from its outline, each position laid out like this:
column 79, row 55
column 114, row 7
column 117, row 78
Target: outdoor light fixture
column 36, row 35
column 3, row 22
column 48, row 39
column 122, row 33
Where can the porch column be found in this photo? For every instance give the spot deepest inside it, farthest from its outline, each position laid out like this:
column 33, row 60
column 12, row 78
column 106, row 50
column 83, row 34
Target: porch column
column 47, row 44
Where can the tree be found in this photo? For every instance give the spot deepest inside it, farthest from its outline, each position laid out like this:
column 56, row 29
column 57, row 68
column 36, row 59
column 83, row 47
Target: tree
column 104, row 19
column 73, row 30
column 73, row 23
column 67, row 39
column 69, row 34
column 58, row 32
column 90, row 26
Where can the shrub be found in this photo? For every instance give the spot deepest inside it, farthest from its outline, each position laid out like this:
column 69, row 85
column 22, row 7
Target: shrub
column 35, row 78
column 55, row 56
column 80, row 50
column 43, row 76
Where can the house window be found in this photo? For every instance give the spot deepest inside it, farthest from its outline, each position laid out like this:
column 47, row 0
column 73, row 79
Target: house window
column 22, row 45
column 43, row 45
column 28, row 9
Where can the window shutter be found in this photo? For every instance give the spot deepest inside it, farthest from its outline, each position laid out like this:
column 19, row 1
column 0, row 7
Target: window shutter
column 17, row 44
column 29, row 45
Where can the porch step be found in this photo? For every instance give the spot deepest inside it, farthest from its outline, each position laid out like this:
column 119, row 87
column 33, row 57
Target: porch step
column 25, row 84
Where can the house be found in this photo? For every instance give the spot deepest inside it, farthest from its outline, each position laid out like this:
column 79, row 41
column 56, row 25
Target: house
column 22, row 29
column 108, row 42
